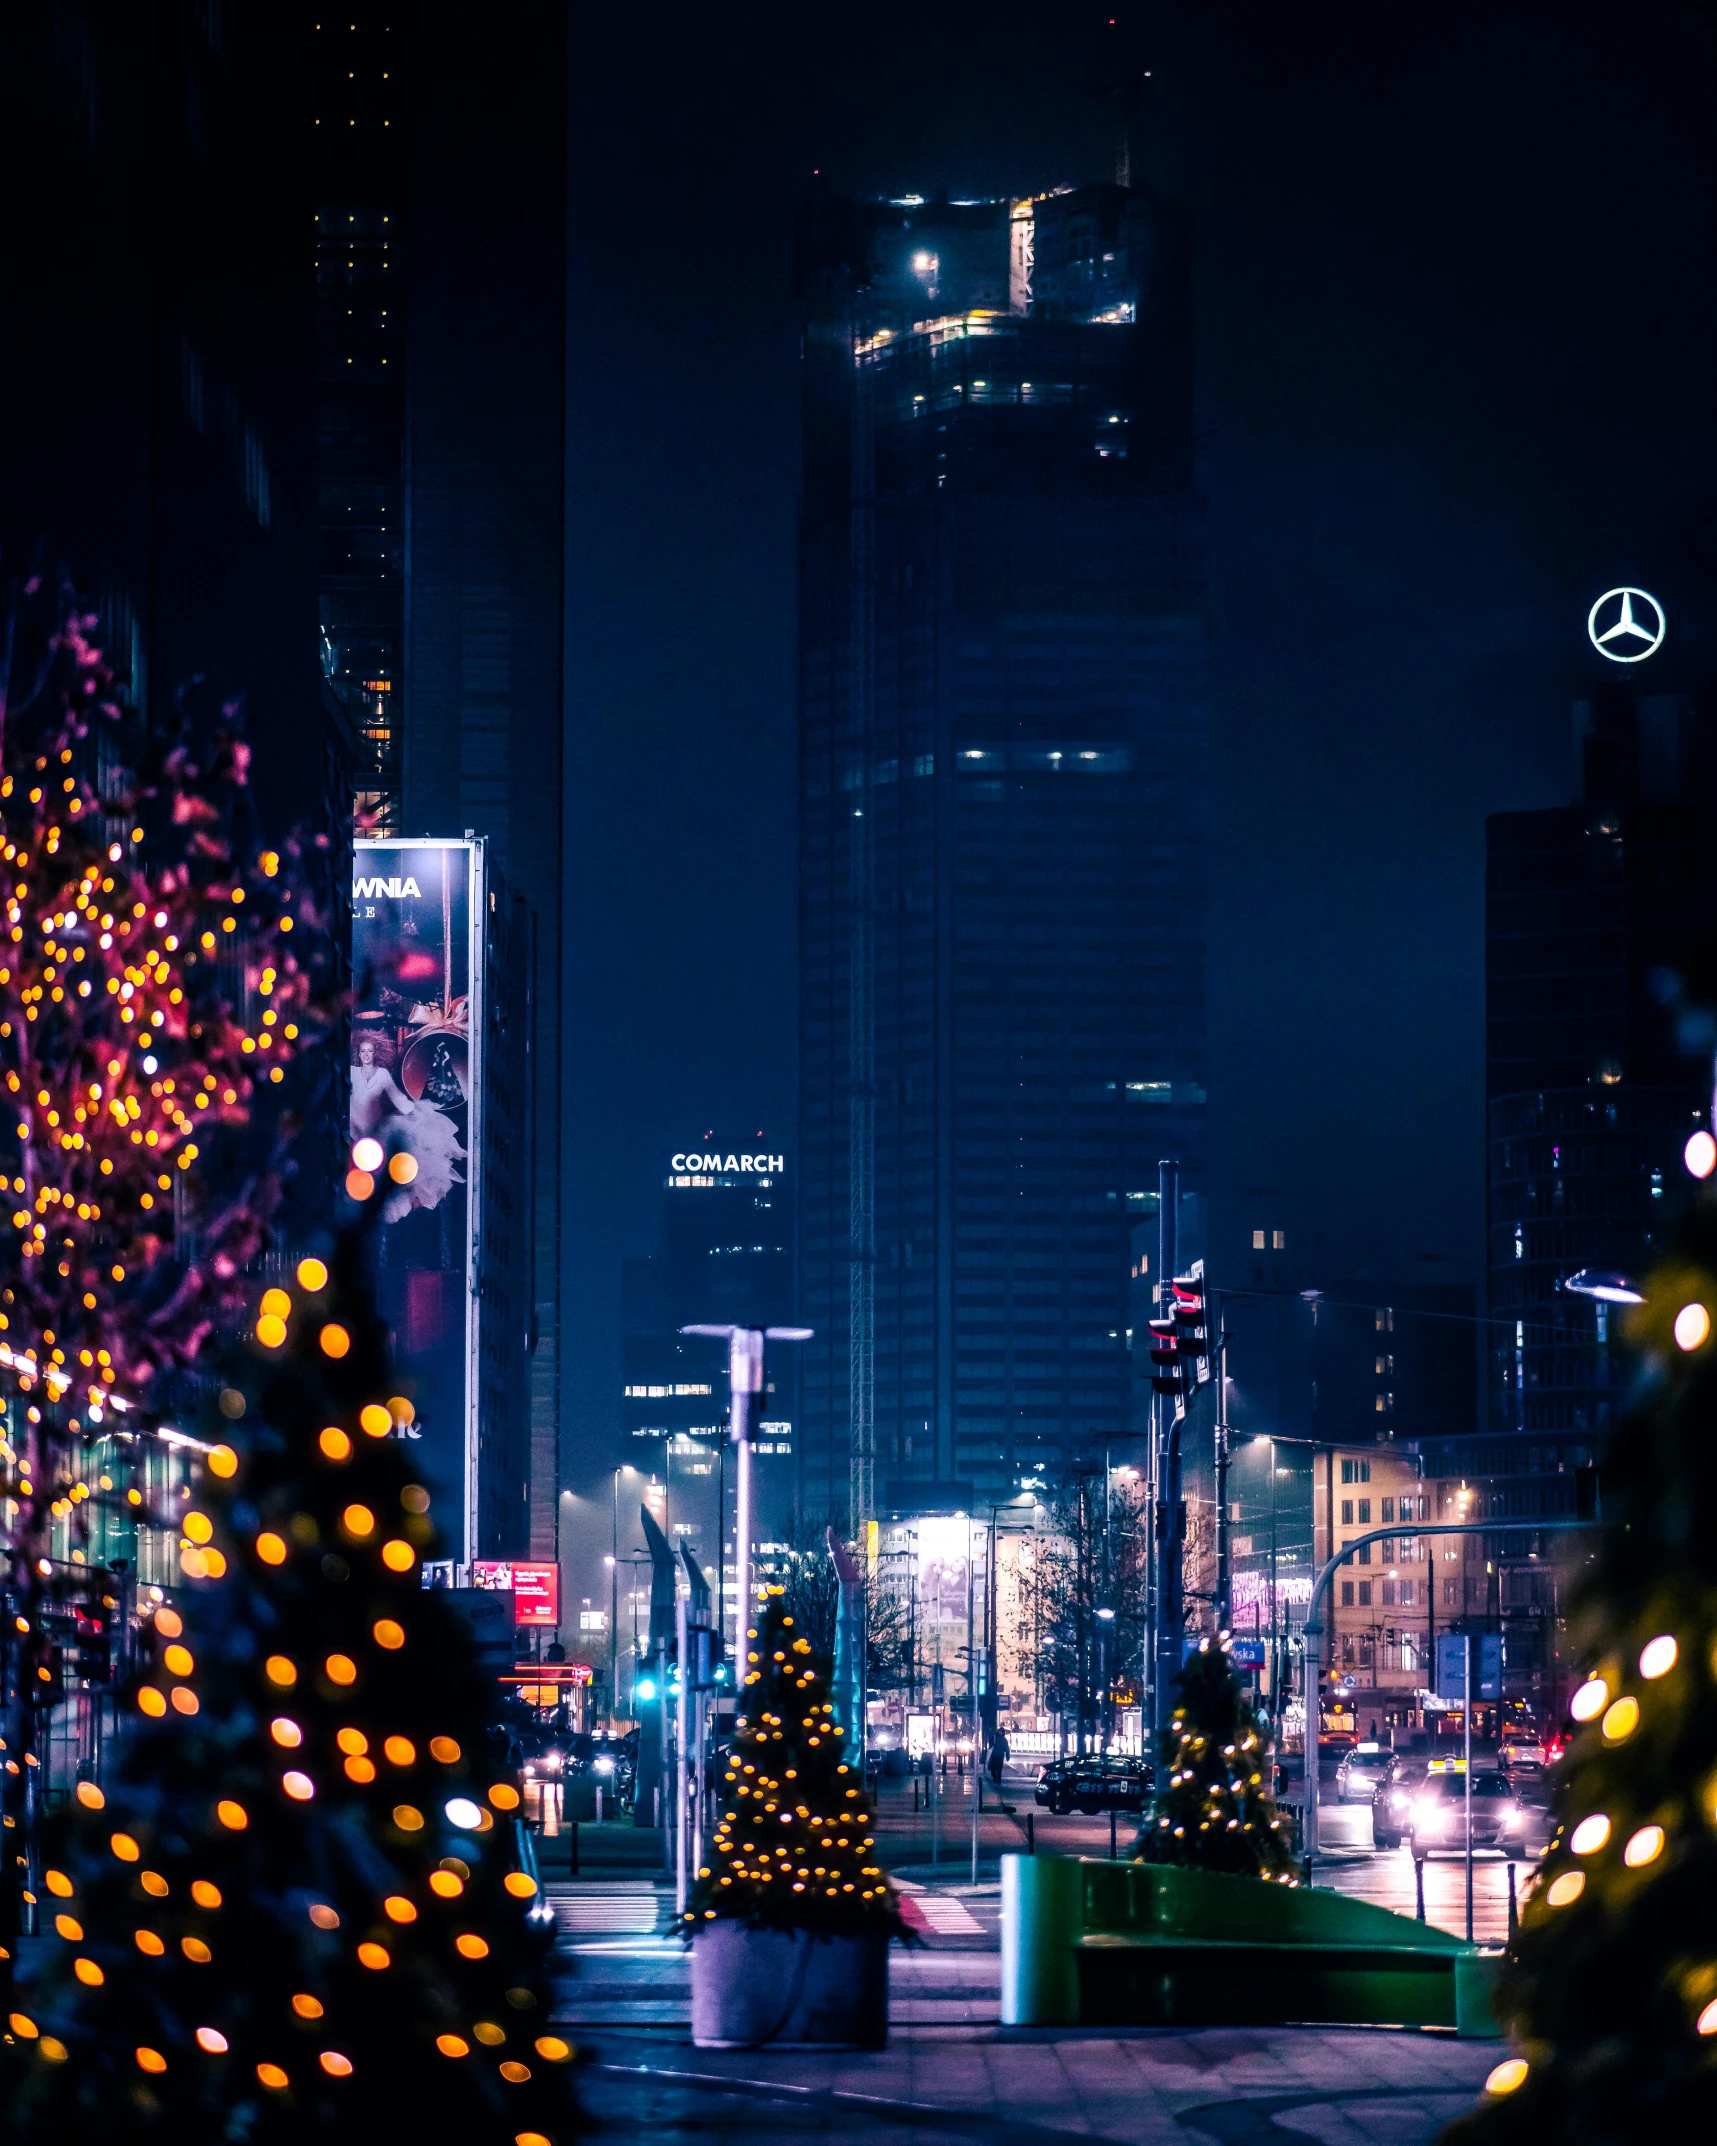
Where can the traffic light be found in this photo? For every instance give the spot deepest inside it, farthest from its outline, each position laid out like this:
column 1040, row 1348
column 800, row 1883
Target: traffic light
column 1165, row 1356
column 1192, row 1333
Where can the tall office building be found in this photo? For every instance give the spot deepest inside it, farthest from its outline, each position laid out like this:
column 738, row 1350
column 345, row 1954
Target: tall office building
column 723, row 1257
column 440, row 225
column 1590, row 1093
column 1592, row 912
column 159, row 317
column 1003, row 720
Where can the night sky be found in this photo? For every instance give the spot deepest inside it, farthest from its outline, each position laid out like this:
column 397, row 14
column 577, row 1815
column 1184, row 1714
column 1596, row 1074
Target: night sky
column 1456, row 276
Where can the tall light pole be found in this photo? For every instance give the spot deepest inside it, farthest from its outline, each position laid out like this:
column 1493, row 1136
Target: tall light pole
column 745, row 1377
column 614, row 1606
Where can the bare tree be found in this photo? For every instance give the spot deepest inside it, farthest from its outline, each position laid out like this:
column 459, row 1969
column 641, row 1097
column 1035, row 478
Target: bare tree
column 813, row 1592
column 1083, row 1599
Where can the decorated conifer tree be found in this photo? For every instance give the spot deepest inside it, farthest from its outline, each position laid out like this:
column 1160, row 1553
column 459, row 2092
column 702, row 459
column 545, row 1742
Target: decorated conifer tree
column 1211, row 1810
column 1610, row 1994
column 294, row 1907
column 793, row 1846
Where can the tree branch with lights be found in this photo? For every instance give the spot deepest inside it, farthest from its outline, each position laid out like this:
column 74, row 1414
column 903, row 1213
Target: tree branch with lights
column 162, row 977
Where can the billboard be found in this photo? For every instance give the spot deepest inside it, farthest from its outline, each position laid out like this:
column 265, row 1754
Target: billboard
column 417, row 1021
column 535, row 1588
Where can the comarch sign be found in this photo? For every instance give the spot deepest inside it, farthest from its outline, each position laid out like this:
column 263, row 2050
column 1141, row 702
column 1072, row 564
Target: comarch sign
column 728, row 1165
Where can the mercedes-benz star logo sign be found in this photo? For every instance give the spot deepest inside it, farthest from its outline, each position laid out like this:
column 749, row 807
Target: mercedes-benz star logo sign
column 1626, row 625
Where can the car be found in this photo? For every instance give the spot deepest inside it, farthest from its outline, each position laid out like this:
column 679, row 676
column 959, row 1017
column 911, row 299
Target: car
column 1357, row 1776
column 1093, row 1783
column 1437, row 1821
column 1392, row 1801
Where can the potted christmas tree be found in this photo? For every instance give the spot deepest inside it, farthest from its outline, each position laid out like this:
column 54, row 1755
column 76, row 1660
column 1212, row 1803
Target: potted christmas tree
column 791, row 1916
column 1212, row 1810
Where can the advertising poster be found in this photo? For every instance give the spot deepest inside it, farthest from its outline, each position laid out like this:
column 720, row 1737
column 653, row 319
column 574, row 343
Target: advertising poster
column 416, row 986
column 535, row 1588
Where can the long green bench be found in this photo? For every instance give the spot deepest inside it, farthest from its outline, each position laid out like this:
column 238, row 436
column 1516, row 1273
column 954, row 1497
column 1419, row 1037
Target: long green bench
column 1138, row 1944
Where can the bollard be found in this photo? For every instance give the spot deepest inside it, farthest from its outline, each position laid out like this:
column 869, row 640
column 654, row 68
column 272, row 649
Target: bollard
column 1030, row 1833
column 1111, row 1836
column 1419, row 1883
column 915, row 1795
column 1513, row 1910
column 1043, row 1904
column 574, row 1830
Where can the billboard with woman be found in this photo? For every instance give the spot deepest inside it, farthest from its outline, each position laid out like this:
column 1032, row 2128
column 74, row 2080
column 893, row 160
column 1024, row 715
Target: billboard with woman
column 416, row 1019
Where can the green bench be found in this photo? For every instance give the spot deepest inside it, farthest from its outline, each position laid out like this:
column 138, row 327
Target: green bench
column 1138, row 1944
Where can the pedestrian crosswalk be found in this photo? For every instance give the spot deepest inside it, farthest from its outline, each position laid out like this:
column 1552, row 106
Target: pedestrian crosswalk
column 596, row 1908
column 939, row 1915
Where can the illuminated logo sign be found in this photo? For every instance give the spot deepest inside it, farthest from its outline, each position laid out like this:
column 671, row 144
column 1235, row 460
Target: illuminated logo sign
column 728, row 1165
column 1626, row 625
column 370, row 890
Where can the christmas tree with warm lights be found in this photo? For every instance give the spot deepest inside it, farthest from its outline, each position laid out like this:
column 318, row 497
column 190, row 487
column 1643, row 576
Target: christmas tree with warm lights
column 294, row 1907
column 1212, row 1810
column 794, row 1846
column 1610, row 1993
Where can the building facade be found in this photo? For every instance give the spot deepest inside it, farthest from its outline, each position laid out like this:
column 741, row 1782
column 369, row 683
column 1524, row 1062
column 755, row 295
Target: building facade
column 724, row 1257
column 1003, row 717
column 438, row 174
column 1595, row 917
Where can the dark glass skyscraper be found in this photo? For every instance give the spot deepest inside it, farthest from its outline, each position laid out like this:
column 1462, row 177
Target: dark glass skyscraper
column 1591, row 909
column 1003, row 717
column 439, row 158
column 724, row 1257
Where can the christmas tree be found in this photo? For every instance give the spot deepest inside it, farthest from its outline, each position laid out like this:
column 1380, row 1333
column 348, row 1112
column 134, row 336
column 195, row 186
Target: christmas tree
column 793, row 1847
column 294, row 1906
column 1212, row 1810
column 1611, row 1989
column 163, row 992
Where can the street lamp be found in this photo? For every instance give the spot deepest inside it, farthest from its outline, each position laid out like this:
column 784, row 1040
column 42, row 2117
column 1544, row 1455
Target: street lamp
column 1603, row 1283
column 745, row 1377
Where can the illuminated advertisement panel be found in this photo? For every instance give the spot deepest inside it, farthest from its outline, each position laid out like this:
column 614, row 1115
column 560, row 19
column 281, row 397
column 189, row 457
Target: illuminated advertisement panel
column 417, row 985
column 535, row 1588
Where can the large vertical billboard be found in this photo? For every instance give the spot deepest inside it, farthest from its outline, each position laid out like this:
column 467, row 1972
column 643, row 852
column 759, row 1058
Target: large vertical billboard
column 417, row 1025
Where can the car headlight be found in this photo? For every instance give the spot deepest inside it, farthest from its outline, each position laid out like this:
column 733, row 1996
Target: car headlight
column 603, row 1765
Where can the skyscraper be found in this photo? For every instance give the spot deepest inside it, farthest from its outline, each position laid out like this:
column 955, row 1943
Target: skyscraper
column 156, row 366
column 1595, row 913
column 723, row 1257
column 1003, row 718
column 440, row 219
column 1590, row 909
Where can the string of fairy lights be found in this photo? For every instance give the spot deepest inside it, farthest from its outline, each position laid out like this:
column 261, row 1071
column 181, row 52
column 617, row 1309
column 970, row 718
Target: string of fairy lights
column 140, row 1004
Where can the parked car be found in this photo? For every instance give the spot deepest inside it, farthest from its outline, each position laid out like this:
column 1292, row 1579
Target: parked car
column 1392, row 1801
column 1437, row 1818
column 1357, row 1776
column 1094, row 1784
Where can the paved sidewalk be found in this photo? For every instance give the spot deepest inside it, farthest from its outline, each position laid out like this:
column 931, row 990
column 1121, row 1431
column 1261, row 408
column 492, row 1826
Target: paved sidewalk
column 1345, row 2087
